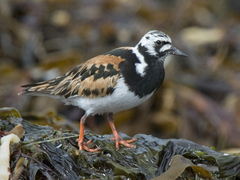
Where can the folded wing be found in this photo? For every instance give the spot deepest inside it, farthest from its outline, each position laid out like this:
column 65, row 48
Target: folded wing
column 96, row 77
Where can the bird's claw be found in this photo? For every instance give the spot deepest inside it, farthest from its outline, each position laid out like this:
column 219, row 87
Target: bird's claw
column 84, row 146
column 124, row 142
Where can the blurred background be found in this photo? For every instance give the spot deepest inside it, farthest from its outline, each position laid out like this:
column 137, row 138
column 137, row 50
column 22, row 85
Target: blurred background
column 200, row 97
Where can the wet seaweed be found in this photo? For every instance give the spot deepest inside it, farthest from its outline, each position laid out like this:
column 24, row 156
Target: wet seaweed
column 52, row 154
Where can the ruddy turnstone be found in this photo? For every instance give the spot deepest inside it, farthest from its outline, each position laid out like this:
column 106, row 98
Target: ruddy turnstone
column 117, row 80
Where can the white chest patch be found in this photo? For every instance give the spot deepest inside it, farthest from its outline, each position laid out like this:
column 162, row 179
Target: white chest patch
column 140, row 67
column 121, row 99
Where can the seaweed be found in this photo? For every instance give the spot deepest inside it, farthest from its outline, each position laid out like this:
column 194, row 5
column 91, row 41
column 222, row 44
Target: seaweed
column 54, row 154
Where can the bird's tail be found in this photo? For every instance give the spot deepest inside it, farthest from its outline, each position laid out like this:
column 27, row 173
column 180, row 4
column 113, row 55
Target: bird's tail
column 44, row 88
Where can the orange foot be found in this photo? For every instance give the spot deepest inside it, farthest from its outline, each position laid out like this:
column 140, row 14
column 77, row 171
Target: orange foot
column 124, row 142
column 84, row 146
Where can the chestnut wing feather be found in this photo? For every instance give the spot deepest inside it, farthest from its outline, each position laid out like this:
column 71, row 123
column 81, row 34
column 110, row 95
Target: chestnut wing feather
column 96, row 77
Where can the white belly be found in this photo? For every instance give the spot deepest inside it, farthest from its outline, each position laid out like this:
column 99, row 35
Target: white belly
column 121, row 99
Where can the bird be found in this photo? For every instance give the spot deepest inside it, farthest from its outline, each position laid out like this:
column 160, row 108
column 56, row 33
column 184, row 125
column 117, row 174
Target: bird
column 117, row 80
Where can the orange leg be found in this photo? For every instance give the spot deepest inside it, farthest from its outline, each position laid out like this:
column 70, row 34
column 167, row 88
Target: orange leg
column 80, row 139
column 116, row 136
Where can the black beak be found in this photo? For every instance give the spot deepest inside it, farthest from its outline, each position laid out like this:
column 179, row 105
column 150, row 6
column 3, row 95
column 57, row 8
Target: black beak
column 175, row 51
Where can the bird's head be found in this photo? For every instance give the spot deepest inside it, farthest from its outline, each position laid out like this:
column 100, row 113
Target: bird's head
column 158, row 44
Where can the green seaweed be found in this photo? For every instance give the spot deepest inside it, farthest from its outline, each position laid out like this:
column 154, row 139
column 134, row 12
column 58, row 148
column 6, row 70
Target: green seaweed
column 55, row 154
column 9, row 112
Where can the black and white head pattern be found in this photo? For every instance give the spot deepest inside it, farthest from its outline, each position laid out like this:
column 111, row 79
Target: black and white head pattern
column 156, row 44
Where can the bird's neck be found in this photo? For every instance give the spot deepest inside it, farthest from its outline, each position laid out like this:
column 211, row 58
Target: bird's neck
column 145, row 73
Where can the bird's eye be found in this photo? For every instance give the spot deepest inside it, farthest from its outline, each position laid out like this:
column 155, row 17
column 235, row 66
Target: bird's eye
column 159, row 42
